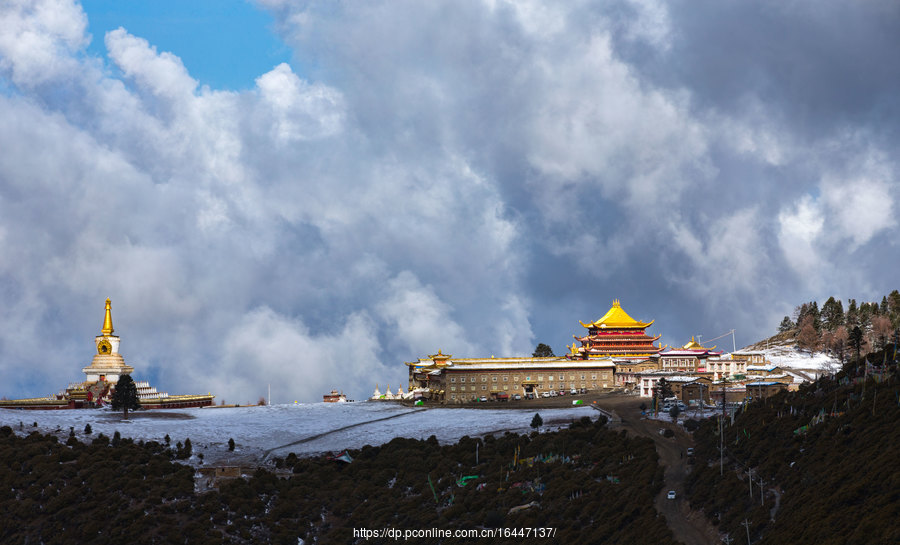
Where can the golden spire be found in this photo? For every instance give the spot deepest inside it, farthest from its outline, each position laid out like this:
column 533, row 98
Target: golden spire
column 107, row 320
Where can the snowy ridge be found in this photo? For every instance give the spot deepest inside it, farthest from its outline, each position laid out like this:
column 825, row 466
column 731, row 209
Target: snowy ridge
column 258, row 429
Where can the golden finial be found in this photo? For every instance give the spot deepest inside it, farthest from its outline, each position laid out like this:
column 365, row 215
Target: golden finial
column 107, row 320
column 616, row 303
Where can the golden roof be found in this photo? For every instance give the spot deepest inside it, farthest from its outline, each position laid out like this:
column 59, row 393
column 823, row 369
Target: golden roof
column 615, row 317
column 694, row 345
column 439, row 356
column 107, row 320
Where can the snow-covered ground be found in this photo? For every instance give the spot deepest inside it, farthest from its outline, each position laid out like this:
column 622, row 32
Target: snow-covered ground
column 260, row 429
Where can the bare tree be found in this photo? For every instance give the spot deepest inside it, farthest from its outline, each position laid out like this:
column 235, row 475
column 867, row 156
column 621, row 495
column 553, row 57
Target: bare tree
column 808, row 338
column 881, row 330
column 839, row 340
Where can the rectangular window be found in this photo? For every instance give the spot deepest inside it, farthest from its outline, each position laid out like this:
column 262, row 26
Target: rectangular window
column 505, row 378
column 452, row 379
column 594, row 376
column 453, row 388
column 484, row 386
column 571, row 377
column 515, row 386
column 540, row 377
column 582, row 376
column 472, row 378
column 516, row 378
column 483, row 378
column 494, row 378
column 452, row 396
column 562, row 377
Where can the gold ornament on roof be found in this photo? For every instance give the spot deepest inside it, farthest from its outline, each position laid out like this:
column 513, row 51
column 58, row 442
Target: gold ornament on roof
column 615, row 317
column 107, row 320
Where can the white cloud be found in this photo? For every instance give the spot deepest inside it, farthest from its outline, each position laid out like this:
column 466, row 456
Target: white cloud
column 862, row 207
column 799, row 228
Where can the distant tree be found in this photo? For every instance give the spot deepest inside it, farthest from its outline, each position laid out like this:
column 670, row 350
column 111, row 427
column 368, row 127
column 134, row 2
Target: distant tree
column 808, row 339
column 832, row 314
column 852, row 316
column 884, row 309
column 168, row 440
column 664, row 389
column 674, row 412
column 261, row 401
column 125, row 396
column 537, row 421
column 231, row 444
column 816, row 315
column 117, row 438
column 839, row 340
column 87, row 429
column 543, row 351
column 856, row 341
column 881, row 331
column 786, row 325
column 894, row 308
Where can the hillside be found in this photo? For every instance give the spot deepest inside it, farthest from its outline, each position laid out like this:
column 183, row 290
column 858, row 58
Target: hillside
column 783, row 350
column 586, row 483
column 825, row 457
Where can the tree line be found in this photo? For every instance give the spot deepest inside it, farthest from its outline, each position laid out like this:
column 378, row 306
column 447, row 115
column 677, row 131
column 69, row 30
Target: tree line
column 862, row 328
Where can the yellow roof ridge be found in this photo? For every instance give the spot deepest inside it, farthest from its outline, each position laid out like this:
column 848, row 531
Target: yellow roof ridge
column 616, row 317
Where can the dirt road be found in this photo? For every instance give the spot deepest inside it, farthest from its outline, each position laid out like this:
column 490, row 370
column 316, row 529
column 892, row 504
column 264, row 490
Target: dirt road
column 690, row 527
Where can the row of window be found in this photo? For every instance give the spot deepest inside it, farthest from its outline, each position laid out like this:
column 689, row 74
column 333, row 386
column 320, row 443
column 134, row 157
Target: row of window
column 515, row 387
column 515, row 378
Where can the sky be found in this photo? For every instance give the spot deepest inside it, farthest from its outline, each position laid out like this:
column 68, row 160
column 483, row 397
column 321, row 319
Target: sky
column 305, row 195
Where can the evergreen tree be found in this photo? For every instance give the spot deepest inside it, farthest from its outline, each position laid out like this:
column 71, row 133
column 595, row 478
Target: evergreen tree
column 664, row 389
column 856, row 339
column 125, row 396
column 537, row 421
column 542, row 351
column 786, row 325
column 87, row 429
column 674, row 412
column 852, row 316
column 231, row 444
column 884, row 310
column 815, row 315
column 894, row 308
column 832, row 314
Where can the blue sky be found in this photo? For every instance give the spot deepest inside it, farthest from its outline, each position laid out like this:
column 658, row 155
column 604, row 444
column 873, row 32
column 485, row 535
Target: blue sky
column 225, row 44
column 309, row 194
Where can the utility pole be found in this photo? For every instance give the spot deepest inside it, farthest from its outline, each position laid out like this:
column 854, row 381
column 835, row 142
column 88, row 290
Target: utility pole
column 727, row 540
column 762, row 493
column 750, row 480
column 746, row 524
column 722, row 445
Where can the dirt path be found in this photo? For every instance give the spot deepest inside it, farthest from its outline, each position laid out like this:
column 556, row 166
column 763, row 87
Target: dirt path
column 690, row 527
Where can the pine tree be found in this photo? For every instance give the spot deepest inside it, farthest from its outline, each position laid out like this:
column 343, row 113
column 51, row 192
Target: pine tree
column 537, row 421
column 542, row 351
column 125, row 396
column 852, row 317
column 87, row 429
column 856, row 340
column 231, row 444
column 786, row 325
column 832, row 314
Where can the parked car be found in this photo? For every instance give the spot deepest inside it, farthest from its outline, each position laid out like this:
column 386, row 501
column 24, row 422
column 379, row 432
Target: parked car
column 517, row 397
column 545, row 394
column 574, row 392
column 670, row 495
column 482, row 399
column 529, row 395
column 562, row 392
column 690, row 451
column 553, row 393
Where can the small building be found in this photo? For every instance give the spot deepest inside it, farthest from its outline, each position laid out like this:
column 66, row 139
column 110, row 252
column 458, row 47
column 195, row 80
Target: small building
column 690, row 358
column 627, row 370
column 762, row 390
